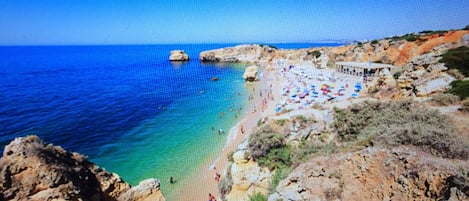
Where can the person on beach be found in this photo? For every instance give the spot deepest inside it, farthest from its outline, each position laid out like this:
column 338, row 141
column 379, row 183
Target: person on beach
column 171, row 180
column 242, row 129
column 211, row 197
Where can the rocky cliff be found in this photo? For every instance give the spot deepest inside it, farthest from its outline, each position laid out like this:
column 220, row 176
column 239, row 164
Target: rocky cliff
column 397, row 50
column 32, row 170
column 241, row 53
column 401, row 173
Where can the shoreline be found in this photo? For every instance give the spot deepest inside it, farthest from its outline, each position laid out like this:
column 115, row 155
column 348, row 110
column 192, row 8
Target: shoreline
column 202, row 182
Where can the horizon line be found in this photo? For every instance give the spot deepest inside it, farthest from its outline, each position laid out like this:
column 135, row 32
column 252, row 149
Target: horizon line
column 195, row 43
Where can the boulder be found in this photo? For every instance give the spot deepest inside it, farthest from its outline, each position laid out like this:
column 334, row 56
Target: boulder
column 32, row 170
column 247, row 177
column 250, row 73
column 178, row 55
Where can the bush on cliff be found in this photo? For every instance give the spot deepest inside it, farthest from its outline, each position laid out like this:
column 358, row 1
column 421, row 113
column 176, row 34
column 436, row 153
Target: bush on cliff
column 460, row 88
column 445, row 99
column 400, row 123
column 457, row 58
column 257, row 197
column 277, row 158
column 263, row 140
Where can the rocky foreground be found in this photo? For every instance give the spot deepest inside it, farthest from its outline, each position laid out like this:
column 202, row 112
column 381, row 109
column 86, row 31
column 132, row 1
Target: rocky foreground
column 32, row 170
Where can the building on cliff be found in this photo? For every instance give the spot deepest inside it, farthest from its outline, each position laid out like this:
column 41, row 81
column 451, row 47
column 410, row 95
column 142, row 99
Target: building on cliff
column 365, row 69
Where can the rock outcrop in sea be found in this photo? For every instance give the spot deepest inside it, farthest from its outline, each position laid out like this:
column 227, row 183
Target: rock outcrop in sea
column 32, row 170
column 241, row 53
column 178, row 55
column 250, row 73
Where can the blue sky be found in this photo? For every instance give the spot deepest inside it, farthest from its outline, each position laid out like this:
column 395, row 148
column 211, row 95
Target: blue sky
column 58, row 22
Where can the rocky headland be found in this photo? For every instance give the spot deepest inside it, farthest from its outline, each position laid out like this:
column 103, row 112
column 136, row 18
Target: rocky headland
column 33, row 170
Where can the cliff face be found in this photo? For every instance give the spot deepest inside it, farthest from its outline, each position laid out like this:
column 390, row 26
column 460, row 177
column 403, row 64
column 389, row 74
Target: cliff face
column 401, row 173
column 32, row 170
column 396, row 51
column 240, row 53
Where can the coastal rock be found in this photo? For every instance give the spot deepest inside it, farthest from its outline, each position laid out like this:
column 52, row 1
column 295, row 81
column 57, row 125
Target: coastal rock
column 240, row 53
column 424, row 75
column 32, row 170
column 147, row 190
column 178, row 55
column 247, row 177
column 401, row 173
column 250, row 73
column 439, row 84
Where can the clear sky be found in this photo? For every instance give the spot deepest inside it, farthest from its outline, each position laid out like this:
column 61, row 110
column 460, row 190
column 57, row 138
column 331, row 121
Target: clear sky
column 58, row 22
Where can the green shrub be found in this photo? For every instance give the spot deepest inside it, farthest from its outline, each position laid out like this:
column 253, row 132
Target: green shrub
column 466, row 27
column 315, row 53
column 257, row 197
column 302, row 119
column 460, row 88
column 281, row 122
column 277, row 158
column 397, row 75
column 410, row 37
column 279, row 175
column 445, row 99
column 263, row 139
column 373, row 42
column 431, row 32
column 359, row 44
column 400, row 123
column 457, row 58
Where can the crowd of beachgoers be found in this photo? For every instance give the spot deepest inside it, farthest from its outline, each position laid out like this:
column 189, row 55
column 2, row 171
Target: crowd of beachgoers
column 305, row 85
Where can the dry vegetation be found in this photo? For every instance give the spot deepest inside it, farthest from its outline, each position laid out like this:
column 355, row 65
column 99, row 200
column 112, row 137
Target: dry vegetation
column 400, row 123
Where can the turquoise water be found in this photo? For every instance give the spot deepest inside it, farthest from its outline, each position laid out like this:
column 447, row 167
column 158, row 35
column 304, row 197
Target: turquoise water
column 178, row 140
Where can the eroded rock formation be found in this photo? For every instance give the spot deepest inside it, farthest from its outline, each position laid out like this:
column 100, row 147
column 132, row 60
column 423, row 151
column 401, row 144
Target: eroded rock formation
column 178, row 55
column 32, row 170
column 250, row 73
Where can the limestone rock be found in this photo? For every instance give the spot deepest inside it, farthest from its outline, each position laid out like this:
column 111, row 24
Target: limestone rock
column 247, row 177
column 402, row 173
column 147, row 190
column 178, row 55
column 424, row 75
column 31, row 170
column 439, row 84
column 240, row 53
column 250, row 73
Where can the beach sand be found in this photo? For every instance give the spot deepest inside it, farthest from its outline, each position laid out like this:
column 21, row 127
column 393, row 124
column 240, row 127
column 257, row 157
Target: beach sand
column 203, row 182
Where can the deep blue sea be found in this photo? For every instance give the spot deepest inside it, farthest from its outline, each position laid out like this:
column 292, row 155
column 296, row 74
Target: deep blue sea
column 127, row 108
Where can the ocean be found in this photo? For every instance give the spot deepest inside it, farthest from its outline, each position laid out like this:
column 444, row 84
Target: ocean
column 126, row 107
